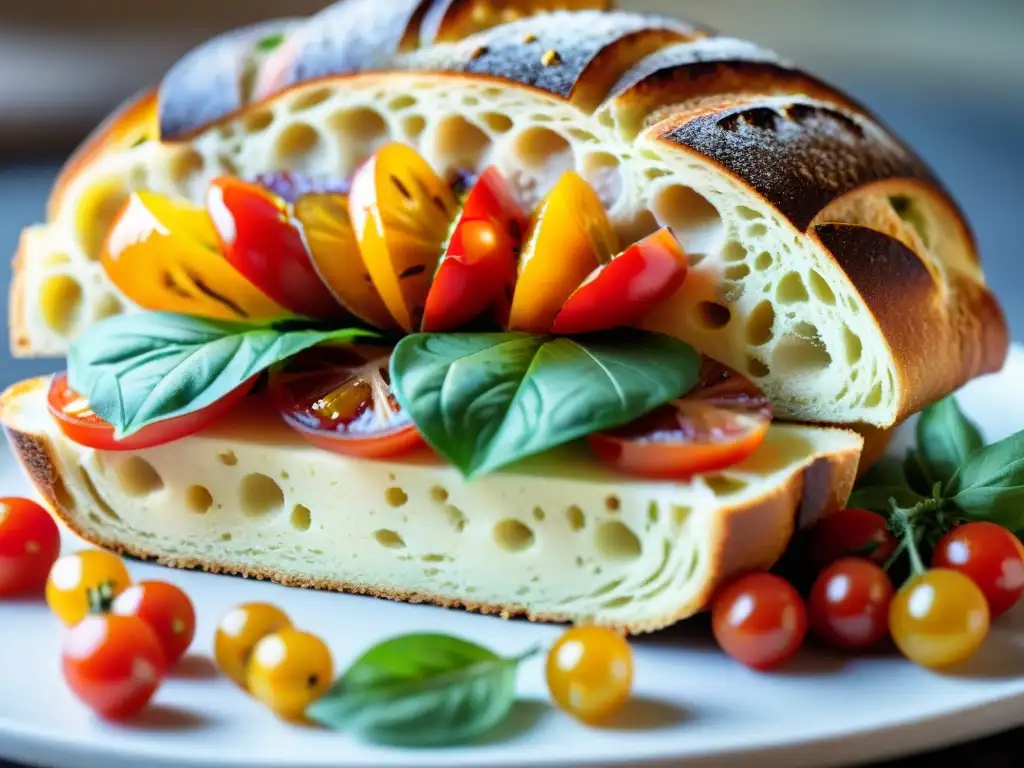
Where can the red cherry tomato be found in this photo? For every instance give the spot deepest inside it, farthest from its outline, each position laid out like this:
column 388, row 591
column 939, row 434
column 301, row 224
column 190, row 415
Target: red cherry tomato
column 990, row 556
column 259, row 238
column 114, row 664
column 339, row 399
column 851, row 533
column 166, row 609
column 620, row 293
column 760, row 620
column 478, row 268
column 29, row 546
column 719, row 423
column 849, row 604
column 82, row 426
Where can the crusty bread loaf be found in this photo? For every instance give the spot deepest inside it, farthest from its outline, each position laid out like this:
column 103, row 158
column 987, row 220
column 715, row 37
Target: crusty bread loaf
column 554, row 538
column 829, row 263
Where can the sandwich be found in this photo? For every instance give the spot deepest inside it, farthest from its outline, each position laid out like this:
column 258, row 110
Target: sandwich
column 533, row 308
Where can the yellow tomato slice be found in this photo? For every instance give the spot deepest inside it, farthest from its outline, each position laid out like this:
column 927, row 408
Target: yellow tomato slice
column 571, row 236
column 401, row 212
column 162, row 254
column 327, row 228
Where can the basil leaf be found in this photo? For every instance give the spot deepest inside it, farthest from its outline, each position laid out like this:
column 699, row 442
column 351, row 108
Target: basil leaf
column 888, row 470
column 877, row 498
column 917, row 474
column 139, row 369
column 421, row 690
column 270, row 42
column 945, row 439
column 990, row 484
column 487, row 400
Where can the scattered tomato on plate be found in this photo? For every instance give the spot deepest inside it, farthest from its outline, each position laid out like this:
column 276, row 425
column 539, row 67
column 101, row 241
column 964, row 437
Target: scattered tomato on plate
column 851, row 533
column 166, row 609
column 85, row 582
column 760, row 620
column 590, row 673
column 991, row 556
column 29, row 546
column 849, row 604
column 288, row 671
column 238, row 634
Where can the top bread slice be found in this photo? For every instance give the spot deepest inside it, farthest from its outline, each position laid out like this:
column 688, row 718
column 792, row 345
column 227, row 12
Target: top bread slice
column 829, row 264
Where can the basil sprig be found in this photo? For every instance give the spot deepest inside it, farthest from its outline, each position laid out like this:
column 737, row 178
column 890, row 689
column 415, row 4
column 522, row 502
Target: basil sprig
column 139, row 369
column 486, row 400
column 421, row 690
column 951, row 476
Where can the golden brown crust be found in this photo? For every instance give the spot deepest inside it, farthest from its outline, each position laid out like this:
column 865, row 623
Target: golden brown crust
column 448, row 21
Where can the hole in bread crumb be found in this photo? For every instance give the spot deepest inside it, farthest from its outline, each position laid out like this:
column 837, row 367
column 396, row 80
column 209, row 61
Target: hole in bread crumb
column 297, row 148
column 257, row 121
column 583, row 136
column 108, row 306
column 539, row 514
column 302, row 518
column 456, row 517
column 791, row 289
column 99, row 501
column 513, row 536
column 725, row 485
column 737, row 272
column 694, row 220
column 311, row 98
column 733, row 252
column 544, row 149
column 359, row 126
column 757, row 368
column 613, row 503
column 763, row 261
column 874, row 398
column 576, row 518
column 653, row 513
column 459, row 143
column 184, row 168
column 601, row 170
column 95, row 213
column 439, row 494
column 413, row 126
column 755, row 231
column 748, row 214
column 60, row 303
column 227, row 458
column 225, row 537
column 497, row 122
column 198, row 499
column 800, row 355
column 389, row 539
column 616, row 541
column 618, row 602
column 399, row 103
column 680, row 515
column 396, row 497
column 712, row 315
column 821, row 290
column 260, row 495
column 760, row 324
column 138, row 477
column 854, row 346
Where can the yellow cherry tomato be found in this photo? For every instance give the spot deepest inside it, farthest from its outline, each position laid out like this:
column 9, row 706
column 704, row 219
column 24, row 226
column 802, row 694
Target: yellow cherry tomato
column 239, row 632
column 939, row 618
column 289, row 671
column 85, row 582
column 590, row 673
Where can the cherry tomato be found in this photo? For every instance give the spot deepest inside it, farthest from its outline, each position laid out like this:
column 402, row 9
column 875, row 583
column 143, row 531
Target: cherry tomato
column 166, row 609
column 80, row 425
column 29, row 546
column 990, row 556
column 760, row 620
column 851, row 533
column 260, row 239
column 571, row 236
column 849, row 604
column 339, row 399
column 114, row 664
column 590, row 673
column 85, row 582
column 620, row 293
column 239, row 632
column 478, row 268
column 401, row 212
column 939, row 619
column 719, row 423
column 289, row 671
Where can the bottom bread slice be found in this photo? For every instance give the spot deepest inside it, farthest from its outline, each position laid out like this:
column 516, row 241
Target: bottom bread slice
column 555, row 538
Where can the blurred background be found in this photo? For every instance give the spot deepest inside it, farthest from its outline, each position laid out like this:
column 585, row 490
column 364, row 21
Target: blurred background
column 947, row 75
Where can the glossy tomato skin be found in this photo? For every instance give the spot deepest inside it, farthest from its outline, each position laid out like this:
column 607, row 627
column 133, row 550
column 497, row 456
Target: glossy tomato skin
column 990, row 556
column 290, row 670
column 620, row 293
column 590, row 673
column 113, row 664
column 259, row 238
column 760, row 620
column 851, row 532
column 29, row 546
column 166, row 609
column 849, row 604
column 339, row 399
column 80, row 425
column 238, row 634
column 83, row 581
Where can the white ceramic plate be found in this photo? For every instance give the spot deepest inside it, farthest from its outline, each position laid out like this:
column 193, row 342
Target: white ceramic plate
column 693, row 705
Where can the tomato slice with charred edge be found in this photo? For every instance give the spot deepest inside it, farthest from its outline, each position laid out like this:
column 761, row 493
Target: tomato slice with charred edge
column 80, row 425
column 340, row 399
column 478, row 268
column 621, row 292
column 259, row 238
column 721, row 422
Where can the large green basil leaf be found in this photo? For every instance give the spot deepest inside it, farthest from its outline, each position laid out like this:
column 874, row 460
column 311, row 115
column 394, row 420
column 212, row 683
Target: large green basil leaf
column 945, row 440
column 143, row 368
column 422, row 690
column 487, row 400
column 990, row 484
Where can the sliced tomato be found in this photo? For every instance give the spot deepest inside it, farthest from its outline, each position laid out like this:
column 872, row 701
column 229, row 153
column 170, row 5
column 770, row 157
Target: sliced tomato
column 258, row 237
column 80, row 425
column 163, row 255
column 478, row 268
column 340, row 399
column 719, row 423
column 571, row 236
column 621, row 292
column 402, row 212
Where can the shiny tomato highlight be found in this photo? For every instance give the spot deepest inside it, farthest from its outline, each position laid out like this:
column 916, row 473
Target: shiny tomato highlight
column 29, row 546
column 760, row 620
column 990, row 556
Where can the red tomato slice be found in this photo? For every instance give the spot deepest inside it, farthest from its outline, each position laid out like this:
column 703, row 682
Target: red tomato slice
column 621, row 292
column 478, row 268
column 82, row 426
column 721, row 422
column 259, row 238
column 339, row 399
